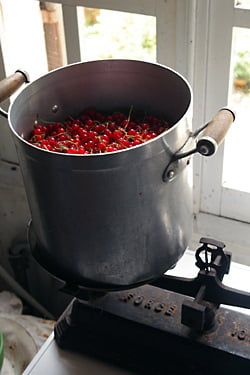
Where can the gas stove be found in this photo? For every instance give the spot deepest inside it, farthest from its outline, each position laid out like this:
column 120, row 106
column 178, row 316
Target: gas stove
column 172, row 325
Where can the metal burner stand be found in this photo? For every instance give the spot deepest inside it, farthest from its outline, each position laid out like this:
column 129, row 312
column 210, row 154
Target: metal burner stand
column 174, row 325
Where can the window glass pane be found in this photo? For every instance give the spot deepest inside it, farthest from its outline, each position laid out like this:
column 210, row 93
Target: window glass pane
column 237, row 155
column 242, row 4
column 22, row 37
column 36, row 43
column 111, row 34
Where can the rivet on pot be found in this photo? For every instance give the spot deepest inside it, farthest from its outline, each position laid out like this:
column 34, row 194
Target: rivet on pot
column 171, row 174
column 55, row 108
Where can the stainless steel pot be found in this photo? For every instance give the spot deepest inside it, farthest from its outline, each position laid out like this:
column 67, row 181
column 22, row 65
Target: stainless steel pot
column 114, row 220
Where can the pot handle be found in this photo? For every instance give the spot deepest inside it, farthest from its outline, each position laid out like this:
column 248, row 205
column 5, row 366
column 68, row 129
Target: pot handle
column 215, row 132
column 211, row 136
column 11, row 84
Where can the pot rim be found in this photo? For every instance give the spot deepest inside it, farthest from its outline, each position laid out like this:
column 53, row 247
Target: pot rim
column 96, row 155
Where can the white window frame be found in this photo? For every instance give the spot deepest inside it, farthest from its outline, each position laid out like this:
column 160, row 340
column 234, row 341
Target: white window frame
column 219, row 211
column 169, row 29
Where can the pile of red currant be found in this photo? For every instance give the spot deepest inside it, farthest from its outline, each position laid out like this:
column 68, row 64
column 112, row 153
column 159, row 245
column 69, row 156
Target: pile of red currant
column 93, row 132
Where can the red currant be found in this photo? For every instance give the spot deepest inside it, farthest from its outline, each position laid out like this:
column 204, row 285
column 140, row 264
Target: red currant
column 93, row 132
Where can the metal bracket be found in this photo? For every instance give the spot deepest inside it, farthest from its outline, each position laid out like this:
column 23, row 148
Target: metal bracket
column 179, row 160
column 206, row 289
column 174, row 168
column 219, row 259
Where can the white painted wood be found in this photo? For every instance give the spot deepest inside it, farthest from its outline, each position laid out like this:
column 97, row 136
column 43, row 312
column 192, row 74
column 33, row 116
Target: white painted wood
column 235, row 204
column 235, row 234
column 165, row 13
column 71, row 31
column 198, row 84
column 7, row 148
column 185, row 27
column 146, row 7
column 220, row 19
column 241, row 17
column 216, row 198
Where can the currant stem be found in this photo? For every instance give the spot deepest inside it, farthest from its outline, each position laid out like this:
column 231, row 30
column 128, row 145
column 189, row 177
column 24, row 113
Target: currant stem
column 130, row 112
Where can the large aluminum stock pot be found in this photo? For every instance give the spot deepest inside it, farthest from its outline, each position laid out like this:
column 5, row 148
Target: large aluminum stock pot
column 120, row 219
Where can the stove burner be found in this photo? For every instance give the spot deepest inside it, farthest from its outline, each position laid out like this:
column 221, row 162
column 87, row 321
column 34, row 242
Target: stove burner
column 174, row 325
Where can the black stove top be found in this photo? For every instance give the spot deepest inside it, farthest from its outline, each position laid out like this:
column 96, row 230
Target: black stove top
column 174, row 325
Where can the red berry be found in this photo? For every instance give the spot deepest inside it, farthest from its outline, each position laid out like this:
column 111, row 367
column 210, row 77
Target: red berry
column 117, row 134
column 90, row 122
column 37, row 131
column 94, row 132
column 111, row 149
column 132, row 132
column 102, row 146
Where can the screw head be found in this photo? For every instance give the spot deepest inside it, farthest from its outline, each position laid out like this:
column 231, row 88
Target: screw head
column 55, row 108
column 171, row 174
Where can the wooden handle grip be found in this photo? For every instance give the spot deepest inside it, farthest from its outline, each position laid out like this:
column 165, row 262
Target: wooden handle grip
column 215, row 132
column 11, row 84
